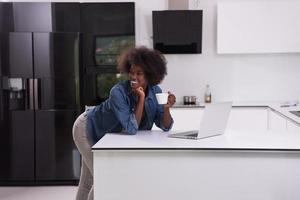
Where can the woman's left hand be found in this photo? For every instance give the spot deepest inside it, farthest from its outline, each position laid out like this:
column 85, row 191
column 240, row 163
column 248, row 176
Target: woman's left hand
column 171, row 100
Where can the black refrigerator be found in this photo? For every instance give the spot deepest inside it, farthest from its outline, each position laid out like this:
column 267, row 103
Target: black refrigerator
column 39, row 102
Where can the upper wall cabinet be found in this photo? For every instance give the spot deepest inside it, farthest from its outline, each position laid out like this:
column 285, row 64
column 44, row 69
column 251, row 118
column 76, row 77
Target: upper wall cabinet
column 65, row 17
column 108, row 29
column 108, row 18
column 6, row 17
column 46, row 17
column 258, row 26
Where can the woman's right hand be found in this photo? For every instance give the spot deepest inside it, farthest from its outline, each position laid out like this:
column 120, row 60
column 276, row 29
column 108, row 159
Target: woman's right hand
column 139, row 91
column 139, row 107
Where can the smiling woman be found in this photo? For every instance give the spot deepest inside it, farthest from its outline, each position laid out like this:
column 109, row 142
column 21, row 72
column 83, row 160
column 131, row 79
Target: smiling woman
column 131, row 106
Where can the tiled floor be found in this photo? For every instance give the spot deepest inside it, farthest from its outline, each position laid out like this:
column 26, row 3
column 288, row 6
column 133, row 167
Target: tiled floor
column 38, row 193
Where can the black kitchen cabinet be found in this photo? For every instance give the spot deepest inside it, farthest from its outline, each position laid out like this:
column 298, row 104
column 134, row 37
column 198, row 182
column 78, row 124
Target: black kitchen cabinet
column 32, row 16
column 46, row 17
column 107, row 18
column 6, row 17
column 65, row 17
column 104, row 20
column 104, row 27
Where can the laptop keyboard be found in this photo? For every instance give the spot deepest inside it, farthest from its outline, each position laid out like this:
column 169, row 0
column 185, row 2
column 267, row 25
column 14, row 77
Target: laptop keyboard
column 191, row 133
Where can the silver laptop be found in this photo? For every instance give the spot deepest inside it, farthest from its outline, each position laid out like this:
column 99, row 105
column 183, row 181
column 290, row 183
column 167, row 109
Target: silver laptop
column 213, row 123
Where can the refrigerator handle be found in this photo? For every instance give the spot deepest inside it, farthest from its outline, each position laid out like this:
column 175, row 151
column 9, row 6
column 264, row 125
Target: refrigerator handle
column 1, row 101
column 36, row 93
column 30, row 94
column 1, row 108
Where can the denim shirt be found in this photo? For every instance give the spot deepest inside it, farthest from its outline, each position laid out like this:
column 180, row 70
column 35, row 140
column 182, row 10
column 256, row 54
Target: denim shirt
column 116, row 114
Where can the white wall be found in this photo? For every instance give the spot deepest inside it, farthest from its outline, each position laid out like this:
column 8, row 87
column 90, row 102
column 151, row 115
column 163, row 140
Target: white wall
column 232, row 77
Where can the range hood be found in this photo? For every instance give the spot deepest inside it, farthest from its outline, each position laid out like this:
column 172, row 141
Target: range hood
column 177, row 31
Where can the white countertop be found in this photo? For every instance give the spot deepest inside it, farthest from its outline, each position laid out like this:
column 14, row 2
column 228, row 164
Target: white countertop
column 275, row 105
column 234, row 104
column 231, row 140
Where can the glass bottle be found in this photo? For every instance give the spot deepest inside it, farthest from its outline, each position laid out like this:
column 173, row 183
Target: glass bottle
column 207, row 95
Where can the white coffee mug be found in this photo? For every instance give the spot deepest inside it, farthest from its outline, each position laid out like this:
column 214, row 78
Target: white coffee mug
column 162, row 98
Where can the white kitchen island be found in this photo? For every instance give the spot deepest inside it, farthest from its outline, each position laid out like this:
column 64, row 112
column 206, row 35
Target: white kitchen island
column 235, row 166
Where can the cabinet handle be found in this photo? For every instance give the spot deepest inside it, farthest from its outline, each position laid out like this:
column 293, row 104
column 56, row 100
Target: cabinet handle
column 36, row 94
column 1, row 100
column 31, row 98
